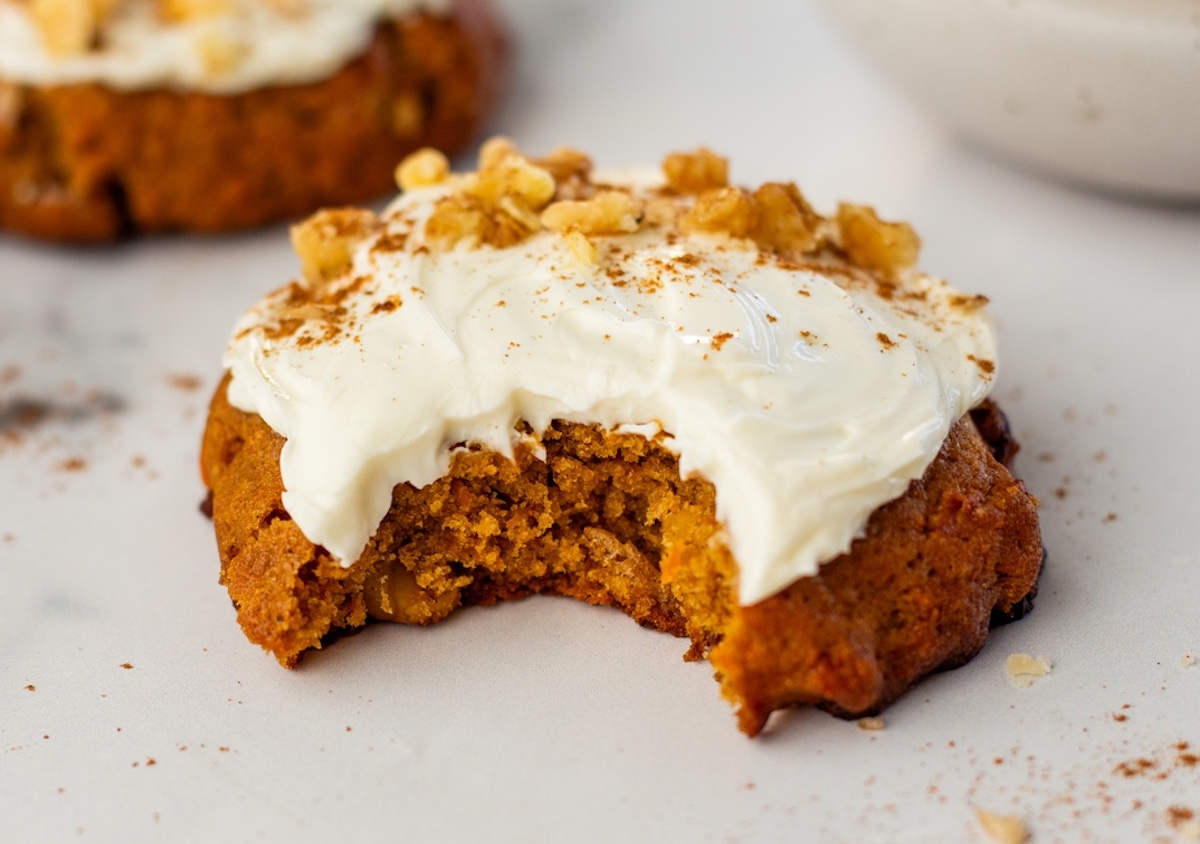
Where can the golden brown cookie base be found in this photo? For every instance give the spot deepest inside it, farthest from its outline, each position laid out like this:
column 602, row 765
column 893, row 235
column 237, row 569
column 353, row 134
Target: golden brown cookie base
column 607, row 519
column 86, row 163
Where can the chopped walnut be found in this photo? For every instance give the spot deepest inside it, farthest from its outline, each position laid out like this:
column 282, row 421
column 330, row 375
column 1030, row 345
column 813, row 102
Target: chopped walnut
column 423, row 168
column 1003, row 829
column 874, row 244
column 68, row 27
column 456, row 218
column 325, row 242
column 608, row 212
column 514, row 176
column 191, row 10
column 787, row 224
column 565, row 164
column 583, row 249
column 661, row 211
column 499, row 205
column 466, row 218
column 1023, row 669
column 730, row 210
column 696, row 172
column 220, row 54
column 494, row 150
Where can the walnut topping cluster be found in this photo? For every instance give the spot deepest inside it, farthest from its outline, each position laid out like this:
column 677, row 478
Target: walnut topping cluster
column 74, row 27
column 512, row 197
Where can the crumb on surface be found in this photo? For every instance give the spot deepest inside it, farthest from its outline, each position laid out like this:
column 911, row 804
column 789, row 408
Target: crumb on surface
column 1187, row 661
column 185, row 381
column 1003, row 829
column 871, row 724
column 1023, row 669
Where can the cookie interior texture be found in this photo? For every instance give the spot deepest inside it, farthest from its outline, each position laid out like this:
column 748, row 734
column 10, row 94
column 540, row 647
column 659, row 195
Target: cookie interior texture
column 87, row 163
column 606, row 518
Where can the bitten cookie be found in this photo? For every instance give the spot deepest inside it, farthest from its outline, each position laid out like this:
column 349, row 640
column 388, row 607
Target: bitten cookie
column 731, row 417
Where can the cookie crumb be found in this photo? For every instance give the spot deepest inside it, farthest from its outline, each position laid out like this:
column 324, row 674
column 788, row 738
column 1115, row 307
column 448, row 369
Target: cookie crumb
column 1187, row 661
column 1003, row 829
column 31, row 688
column 185, row 381
column 1190, row 831
column 127, row 665
column 871, row 724
column 1023, row 669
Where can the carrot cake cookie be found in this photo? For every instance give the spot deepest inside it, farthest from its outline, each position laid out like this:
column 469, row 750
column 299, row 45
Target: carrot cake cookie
column 733, row 418
column 128, row 116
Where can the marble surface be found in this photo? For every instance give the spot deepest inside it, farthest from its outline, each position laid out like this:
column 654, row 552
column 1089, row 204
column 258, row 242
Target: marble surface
column 131, row 708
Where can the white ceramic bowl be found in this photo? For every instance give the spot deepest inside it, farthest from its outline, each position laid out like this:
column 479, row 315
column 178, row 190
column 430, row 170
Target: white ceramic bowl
column 1104, row 92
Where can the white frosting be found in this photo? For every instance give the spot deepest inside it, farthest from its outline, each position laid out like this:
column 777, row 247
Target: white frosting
column 805, row 418
column 141, row 50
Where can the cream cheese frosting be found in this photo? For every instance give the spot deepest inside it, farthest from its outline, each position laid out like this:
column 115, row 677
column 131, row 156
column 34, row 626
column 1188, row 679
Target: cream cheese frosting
column 248, row 44
column 805, row 392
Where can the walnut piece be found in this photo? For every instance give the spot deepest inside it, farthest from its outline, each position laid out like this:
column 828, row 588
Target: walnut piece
column 608, row 212
column 191, row 10
column 220, row 54
column 730, row 210
column 787, row 223
column 583, row 249
column 888, row 248
column 1023, row 669
column 499, row 205
column 465, row 218
column 421, row 169
column 325, row 242
column 68, row 27
column 1003, row 829
column 565, row 164
column 696, row 172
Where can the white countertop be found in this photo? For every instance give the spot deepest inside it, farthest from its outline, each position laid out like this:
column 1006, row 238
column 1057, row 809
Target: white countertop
column 131, row 707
